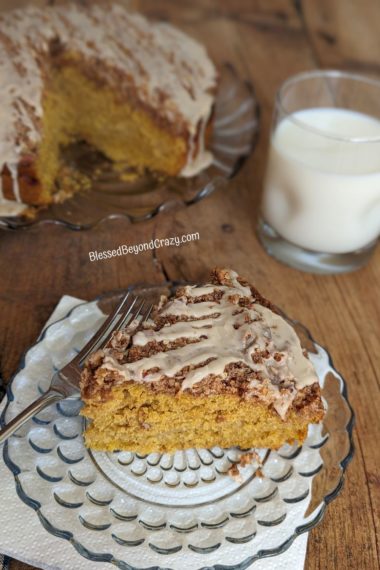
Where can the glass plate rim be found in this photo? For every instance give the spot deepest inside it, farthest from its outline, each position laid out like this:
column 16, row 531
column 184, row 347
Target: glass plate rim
column 94, row 556
column 12, row 224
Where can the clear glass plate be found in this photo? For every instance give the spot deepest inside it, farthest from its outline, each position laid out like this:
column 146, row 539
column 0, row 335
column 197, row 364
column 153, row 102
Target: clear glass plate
column 235, row 130
column 164, row 511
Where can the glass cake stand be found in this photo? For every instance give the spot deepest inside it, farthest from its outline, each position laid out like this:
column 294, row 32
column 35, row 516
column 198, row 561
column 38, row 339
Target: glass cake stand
column 168, row 511
column 235, row 130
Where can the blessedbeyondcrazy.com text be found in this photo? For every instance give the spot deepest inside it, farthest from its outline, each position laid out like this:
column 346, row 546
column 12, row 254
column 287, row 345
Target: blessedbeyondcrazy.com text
column 135, row 249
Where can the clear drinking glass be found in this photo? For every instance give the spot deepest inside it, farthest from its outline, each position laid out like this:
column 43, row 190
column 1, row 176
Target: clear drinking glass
column 320, row 208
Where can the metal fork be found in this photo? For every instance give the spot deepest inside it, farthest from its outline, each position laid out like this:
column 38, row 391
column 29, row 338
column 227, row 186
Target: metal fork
column 65, row 382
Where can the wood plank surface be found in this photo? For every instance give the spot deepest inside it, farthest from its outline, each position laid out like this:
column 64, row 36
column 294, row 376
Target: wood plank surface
column 344, row 35
column 267, row 42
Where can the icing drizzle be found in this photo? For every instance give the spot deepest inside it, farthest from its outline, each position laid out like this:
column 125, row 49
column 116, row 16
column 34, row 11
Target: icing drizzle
column 225, row 332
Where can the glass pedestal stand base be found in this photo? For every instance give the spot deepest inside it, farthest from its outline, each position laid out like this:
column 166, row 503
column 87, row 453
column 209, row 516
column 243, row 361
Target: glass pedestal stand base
column 307, row 260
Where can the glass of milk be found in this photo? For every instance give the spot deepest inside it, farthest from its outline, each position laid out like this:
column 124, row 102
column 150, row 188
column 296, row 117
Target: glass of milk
column 320, row 209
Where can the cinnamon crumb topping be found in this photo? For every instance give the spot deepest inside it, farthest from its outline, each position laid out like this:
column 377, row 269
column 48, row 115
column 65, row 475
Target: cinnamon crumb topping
column 177, row 351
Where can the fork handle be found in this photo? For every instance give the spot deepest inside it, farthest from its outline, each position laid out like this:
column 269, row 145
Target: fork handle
column 45, row 400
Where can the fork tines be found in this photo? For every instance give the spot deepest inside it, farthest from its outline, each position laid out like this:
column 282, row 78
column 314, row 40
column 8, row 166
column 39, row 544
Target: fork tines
column 129, row 309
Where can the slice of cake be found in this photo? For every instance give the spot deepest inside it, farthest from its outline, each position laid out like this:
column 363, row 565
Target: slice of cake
column 215, row 366
column 141, row 93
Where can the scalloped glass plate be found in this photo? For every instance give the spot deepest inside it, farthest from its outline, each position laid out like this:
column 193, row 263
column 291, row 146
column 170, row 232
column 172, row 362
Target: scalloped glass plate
column 235, row 130
column 168, row 511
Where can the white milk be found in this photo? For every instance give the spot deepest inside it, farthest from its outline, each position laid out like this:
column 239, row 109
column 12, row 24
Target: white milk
column 323, row 193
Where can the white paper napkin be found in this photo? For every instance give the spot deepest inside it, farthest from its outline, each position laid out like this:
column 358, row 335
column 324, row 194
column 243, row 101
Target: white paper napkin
column 23, row 537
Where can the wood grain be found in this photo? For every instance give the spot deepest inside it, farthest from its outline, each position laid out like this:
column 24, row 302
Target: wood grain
column 344, row 34
column 266, row 41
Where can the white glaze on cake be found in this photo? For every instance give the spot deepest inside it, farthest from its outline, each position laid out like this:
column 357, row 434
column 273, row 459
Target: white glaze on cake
column 169, row 71
column 226, row 333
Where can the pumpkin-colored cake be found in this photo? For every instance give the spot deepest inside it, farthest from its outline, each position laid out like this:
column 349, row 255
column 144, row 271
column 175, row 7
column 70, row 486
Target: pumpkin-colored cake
column 141, row 93
column 216, row 365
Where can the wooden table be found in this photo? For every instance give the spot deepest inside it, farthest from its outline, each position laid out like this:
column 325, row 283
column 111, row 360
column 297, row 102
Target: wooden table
column 267, row 41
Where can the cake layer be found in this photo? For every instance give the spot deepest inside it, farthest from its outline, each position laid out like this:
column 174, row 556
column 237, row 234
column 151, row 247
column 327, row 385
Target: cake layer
column 139, row 419
column 216, row 365
column 114, row 71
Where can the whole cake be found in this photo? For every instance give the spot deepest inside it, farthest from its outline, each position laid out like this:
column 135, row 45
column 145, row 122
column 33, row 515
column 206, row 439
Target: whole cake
column 216, row 365
column 142, row 93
